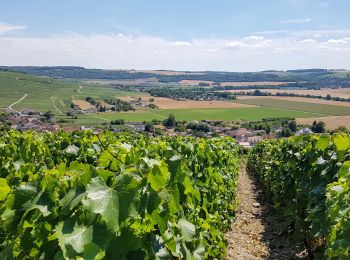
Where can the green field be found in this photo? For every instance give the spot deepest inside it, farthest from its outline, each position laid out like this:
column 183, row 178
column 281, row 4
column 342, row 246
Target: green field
column 298, row 106
column 249, row 114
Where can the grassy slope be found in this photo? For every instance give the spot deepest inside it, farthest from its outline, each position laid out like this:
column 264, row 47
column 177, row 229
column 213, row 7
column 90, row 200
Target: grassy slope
column 41, row 92
column 298, row 106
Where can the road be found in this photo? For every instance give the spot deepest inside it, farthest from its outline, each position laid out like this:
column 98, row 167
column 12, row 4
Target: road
column 15, row 103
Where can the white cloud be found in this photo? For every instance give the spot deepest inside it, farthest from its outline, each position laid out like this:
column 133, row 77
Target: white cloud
column 254, row 38
column 123, row 51
column 337, row 41
column 181, row 43
column 234, row 45
column 272, row 32
column 5, row 28
column 306, row 20
column 307, row 41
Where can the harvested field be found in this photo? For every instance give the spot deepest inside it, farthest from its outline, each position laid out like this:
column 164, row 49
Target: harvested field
column 104, row 104
column 232, row 84
column 341, row 92
column 300, row 99
column 167, row 103
column 167, row 72
column 195, row 82
column 121, row 81
column 324, row 109
column 145, row 98
column 261, row 83
column 332, row 122
column 83, row 104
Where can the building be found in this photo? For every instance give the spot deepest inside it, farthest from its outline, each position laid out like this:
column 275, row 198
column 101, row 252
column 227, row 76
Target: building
column 304, row 131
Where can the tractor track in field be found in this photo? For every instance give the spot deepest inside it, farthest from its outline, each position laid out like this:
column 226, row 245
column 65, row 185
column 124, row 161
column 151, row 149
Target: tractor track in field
column 54, row 105
column 258, row 231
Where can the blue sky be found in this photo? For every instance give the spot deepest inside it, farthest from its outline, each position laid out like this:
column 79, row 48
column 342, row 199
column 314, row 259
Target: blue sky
column 183, row 35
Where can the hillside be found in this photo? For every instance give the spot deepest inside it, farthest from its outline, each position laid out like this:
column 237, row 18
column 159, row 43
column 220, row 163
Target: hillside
column 320, row 76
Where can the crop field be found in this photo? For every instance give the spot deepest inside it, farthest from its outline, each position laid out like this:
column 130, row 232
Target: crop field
column 249, row 114
column 300, row 99
column 168, row 103
column 232, row 84
column 322, row 109
column 259, row 83
column 66, row 197
column 82, row 104
column 339, row 92
column 332, row 122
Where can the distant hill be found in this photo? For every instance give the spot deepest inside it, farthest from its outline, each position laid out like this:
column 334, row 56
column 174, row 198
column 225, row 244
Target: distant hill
column 319, row 77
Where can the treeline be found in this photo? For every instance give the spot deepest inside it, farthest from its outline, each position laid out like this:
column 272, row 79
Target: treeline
column 316, row 77
column 114, row 104
column 191, row 93
column 118, row 105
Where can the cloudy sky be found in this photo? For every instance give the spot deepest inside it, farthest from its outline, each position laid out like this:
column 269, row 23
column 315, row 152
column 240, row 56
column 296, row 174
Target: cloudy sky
column 230, row 35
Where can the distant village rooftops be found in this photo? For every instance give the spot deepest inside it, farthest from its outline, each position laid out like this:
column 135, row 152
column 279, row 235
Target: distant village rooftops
column 304, row 131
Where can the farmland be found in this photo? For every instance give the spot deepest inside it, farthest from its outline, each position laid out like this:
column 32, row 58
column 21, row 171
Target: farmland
column 337, row 92
column 332, row 122
column 323, row 109
column 254, row 113
column 43, row 94
column 113, row 196
column 300, row 99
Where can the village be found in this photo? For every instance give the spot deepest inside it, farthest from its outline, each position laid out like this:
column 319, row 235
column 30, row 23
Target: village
column 26, row 119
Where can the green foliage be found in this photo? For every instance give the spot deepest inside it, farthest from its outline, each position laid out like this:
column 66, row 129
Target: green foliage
column 318, row 127
column 308, row 179
column 170, row 121
column 126, row 196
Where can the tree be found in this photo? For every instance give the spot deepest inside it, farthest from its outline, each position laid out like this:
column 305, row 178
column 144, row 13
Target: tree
column 285, row 132
column 318, row 127
column 170, row 121
column 48, row 116
column 268, row 129
column 340, row 129
column 292, row 125
column 149, row 127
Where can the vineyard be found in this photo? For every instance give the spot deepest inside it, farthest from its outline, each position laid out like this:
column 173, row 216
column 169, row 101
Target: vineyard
column 129, row 196
column 308, row 180
column 126, row 196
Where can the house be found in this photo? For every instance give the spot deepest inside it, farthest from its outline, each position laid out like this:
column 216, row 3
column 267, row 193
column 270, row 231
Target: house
column 137, row 126
column 244, row 144
column 241, row 134
column 304, row 131
column 258, row 132
column 252, row 140
column 91, row 110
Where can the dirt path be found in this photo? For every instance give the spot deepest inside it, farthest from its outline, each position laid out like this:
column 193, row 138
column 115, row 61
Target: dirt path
column 54, row 105
column 258, row 232
column 15, row 103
